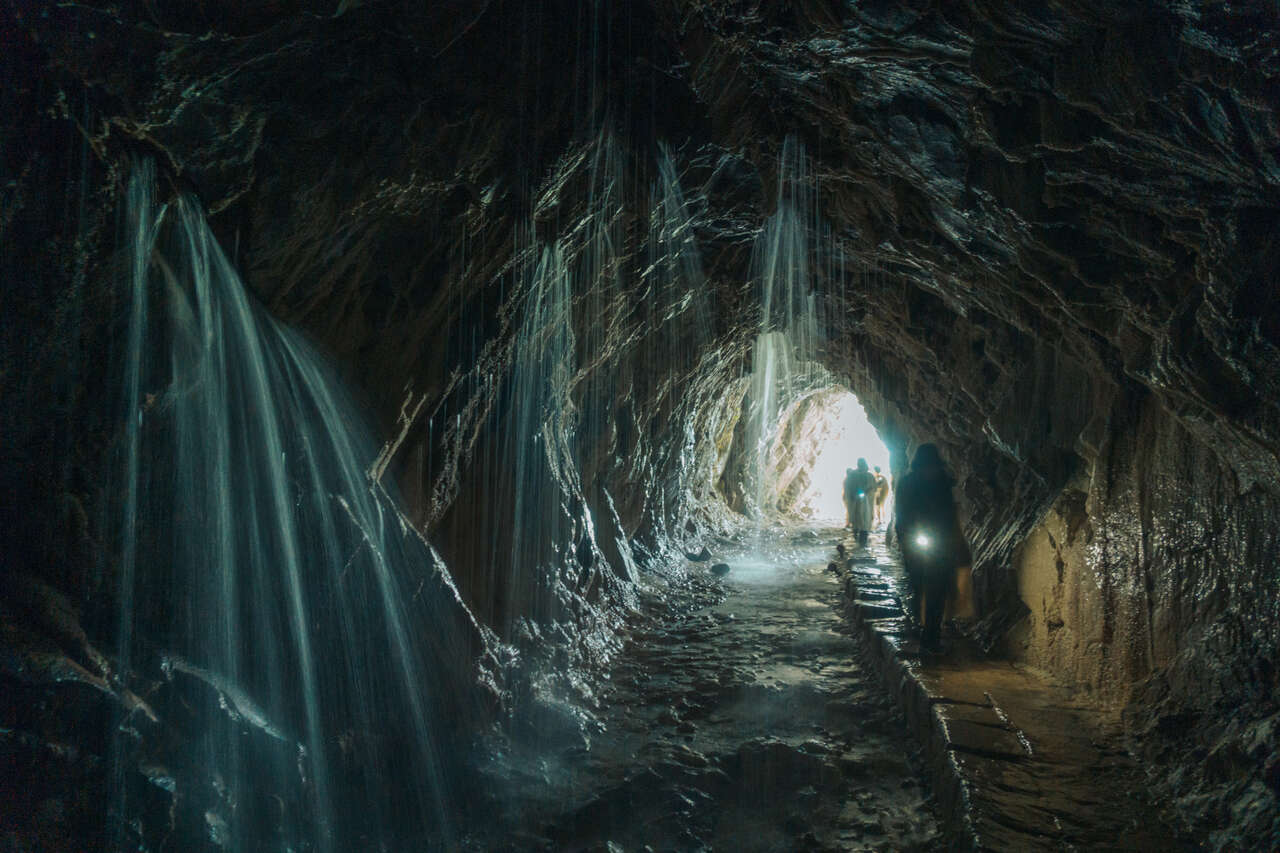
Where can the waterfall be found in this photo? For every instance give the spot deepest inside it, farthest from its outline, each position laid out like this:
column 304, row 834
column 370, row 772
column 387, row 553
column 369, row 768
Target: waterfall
column 783, row 357
column 140, row 208
column 675, row 315
column 304, row 639
column 539, row 432
column 678, row 289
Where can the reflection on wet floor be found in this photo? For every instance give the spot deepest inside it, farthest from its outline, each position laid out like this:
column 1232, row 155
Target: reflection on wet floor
column 738, row 720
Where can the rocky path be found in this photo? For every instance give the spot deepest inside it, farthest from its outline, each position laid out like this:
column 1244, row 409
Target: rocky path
column 744, row 723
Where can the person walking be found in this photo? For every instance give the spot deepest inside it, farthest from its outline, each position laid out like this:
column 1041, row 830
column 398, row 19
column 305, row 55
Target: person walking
column 929, row 534
column 848, row 491
column 858, row 488
column 898, row 464
column 881, row 494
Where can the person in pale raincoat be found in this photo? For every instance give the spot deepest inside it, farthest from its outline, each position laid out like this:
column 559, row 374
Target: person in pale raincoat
column 881, row 494
column 859, row 492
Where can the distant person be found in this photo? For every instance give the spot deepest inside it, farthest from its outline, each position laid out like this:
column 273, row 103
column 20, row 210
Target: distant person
column 881, row 494
column 847, row 497
column 858, row 488
column 898, row 462
column 929, row 534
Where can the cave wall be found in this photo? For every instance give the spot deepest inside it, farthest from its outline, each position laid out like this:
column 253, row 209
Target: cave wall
column 1143, row 558
column 1056, row 233
column 1149, row 566
column 1060, row 221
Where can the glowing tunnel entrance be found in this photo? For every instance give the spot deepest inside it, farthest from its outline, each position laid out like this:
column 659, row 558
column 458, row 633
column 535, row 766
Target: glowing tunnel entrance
column 816, row 439
column 846, row 436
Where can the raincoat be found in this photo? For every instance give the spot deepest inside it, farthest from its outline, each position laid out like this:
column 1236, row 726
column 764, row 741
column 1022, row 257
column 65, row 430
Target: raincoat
column 859, row 490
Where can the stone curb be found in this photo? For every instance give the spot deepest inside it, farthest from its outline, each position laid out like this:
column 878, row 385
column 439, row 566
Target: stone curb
column 1062, row 784
column 884, row 631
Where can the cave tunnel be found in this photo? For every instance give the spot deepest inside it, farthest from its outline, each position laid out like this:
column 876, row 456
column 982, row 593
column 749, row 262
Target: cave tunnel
column 424, row 425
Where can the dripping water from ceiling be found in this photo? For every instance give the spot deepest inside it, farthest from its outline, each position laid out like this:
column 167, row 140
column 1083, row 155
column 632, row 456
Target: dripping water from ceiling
column 263, row 564
column 783, row 359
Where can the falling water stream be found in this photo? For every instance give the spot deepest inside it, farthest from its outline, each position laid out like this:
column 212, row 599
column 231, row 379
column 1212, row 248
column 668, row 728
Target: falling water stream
column 271, row 570
column 537, row 448
column 783, row 361
column 280, row 611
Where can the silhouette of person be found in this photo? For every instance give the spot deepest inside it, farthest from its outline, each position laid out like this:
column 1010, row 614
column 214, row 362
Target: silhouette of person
column 928, row 531
column 898, row 464
column 859, row 486
column 881, row 494
column 847, row 496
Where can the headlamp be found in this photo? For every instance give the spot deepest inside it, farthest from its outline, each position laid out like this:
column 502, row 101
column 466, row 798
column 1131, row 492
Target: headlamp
column 923, row 540
column 862, row 494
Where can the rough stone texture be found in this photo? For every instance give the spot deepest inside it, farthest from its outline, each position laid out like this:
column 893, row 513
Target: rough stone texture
column 1053, row 242
column 1018, row 762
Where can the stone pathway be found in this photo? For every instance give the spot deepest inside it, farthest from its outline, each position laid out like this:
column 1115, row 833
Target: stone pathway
column 1017, row 762
column 741, row 723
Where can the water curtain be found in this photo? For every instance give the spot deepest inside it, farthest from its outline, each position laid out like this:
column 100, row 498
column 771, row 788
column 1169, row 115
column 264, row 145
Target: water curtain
column 783, row 357
column 308, row 646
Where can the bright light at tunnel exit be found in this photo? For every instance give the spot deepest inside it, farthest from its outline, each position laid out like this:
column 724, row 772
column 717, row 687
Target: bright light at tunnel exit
column 849, row 436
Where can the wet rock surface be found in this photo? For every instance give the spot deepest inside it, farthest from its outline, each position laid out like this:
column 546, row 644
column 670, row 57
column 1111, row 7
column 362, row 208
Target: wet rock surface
column 1051, row 250
column 737, row 717
column 1018, row 761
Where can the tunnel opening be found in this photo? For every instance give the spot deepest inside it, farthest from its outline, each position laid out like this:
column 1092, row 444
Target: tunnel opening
column 840, row 434
column 793, row 471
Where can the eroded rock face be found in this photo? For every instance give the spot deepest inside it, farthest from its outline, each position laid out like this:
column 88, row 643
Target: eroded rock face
column 1051, row 249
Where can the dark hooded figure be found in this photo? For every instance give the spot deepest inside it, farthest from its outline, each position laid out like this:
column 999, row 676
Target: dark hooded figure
column 929, row 535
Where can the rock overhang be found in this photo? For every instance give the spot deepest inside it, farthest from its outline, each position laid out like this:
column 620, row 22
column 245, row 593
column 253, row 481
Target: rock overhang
column 1055, row 230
